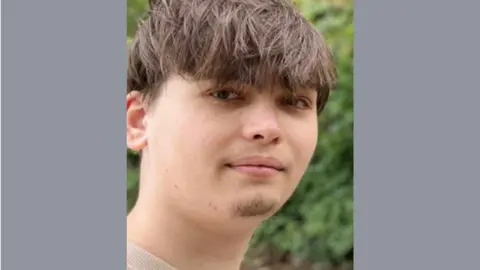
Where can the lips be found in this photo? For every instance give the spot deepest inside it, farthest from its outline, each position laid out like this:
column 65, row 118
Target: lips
column 258, row 166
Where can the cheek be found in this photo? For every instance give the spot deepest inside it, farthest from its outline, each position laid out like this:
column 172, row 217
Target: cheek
column 304, row 141
column 199, row 139
column 196, row 147
column 191, row 145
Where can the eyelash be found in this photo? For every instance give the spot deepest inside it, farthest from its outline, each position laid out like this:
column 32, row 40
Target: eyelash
column 239, row 96
column 306, row 102
column 229, row 91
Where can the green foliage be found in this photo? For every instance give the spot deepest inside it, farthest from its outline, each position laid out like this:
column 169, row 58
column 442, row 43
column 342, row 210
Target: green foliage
column 317, row 222
column 136, row 9
column 132, row 187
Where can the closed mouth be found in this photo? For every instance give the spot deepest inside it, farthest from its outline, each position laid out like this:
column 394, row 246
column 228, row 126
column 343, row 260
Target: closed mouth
column 256, row 166
column 258, row 162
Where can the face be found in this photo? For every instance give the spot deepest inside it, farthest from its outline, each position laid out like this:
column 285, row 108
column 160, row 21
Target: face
column 219, row 155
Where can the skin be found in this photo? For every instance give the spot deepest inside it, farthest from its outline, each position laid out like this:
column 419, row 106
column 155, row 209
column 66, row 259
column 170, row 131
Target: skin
column 195, row 209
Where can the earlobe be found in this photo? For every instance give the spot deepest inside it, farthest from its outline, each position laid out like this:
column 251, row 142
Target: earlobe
column 137, row 142
column 136, row 119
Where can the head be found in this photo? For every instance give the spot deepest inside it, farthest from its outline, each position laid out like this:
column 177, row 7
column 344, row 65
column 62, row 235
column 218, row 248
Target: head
column 222, row 103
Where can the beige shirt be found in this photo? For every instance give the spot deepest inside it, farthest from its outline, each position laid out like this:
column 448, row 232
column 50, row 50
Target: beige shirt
column 140, row 259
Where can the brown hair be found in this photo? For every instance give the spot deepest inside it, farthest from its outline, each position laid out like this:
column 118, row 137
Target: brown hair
column 254, row 42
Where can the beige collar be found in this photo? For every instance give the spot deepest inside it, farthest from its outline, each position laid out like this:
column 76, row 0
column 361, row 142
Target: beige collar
column 140, row 259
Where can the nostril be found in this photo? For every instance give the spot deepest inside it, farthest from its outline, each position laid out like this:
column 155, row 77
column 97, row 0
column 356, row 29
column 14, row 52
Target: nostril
column 258, row 137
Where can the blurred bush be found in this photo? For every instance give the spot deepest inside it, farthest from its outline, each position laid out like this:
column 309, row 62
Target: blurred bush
column 316, row 224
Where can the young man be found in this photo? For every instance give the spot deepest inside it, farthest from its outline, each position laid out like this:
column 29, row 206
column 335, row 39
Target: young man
column 222, row 104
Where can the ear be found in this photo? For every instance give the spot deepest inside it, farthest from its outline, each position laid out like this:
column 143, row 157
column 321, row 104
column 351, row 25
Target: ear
column 136, row 116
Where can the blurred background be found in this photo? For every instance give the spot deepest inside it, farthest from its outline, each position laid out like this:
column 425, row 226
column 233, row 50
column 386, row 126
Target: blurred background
column 314, row 230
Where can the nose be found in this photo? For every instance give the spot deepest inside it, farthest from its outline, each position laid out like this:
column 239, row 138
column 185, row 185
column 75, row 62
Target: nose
column 261, row 125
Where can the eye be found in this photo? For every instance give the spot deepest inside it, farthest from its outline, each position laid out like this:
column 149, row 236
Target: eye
column 298, row 102
column 226, row 94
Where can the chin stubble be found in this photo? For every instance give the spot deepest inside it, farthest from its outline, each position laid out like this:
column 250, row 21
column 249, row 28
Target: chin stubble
column 254, row 207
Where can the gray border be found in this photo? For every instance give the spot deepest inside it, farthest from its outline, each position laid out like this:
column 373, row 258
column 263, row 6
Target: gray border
column 0, row 138
column 63, row 148
column 416, row 135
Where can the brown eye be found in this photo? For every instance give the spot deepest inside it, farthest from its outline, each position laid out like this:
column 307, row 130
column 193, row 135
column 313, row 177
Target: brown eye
column 298, row 103
column 226, row 94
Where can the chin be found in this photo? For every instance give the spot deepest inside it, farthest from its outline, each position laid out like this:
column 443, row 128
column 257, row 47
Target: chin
column 256, row 205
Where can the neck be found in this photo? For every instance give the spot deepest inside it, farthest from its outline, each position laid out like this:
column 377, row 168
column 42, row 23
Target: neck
column 184, row 244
